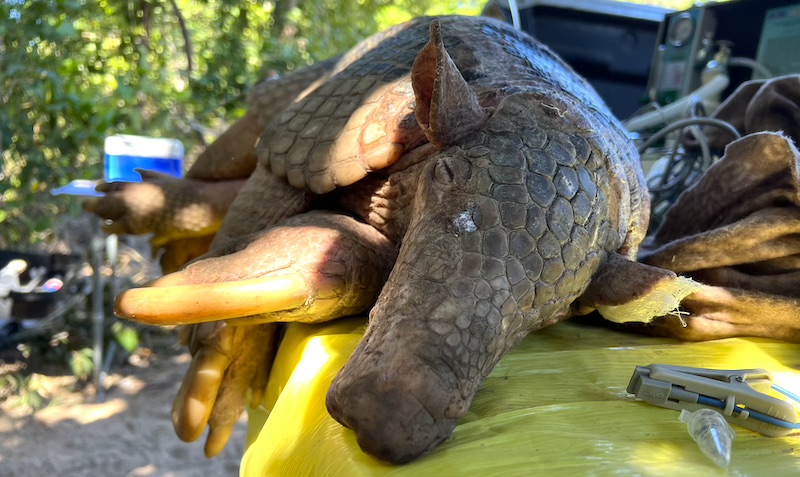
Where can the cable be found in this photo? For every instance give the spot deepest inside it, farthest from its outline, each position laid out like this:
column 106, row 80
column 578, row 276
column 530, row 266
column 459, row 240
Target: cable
column 676, row 172
column 757, row 67
column 705, row 150
column 758, row 416
column 786, row 392
column 684, row 123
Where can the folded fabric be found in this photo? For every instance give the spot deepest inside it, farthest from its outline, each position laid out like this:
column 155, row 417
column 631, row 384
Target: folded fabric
column 758, row 105
column 737, row 231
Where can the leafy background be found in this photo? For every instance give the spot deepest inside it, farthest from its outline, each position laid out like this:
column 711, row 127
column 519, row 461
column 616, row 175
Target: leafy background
column 75, row 71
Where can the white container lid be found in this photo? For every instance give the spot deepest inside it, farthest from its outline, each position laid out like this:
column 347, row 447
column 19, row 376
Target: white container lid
column 129, row 145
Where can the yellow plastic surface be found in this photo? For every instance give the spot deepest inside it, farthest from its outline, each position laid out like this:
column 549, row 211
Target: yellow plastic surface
column 555, row 405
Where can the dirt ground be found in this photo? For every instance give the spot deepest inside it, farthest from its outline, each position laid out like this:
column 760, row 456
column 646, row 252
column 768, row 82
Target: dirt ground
column 128, row 434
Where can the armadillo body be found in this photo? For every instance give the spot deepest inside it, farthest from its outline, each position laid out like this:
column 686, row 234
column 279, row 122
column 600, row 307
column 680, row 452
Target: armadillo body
column 452, row 175
column 511, row 218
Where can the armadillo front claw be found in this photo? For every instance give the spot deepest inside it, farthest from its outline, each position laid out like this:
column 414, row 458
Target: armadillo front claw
column 195, row 399
column 227, row 361
column 169, row 301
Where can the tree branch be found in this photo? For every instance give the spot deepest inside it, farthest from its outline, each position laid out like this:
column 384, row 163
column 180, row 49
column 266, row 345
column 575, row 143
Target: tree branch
column 187, row 38
column 279, row 13
column 147, row 17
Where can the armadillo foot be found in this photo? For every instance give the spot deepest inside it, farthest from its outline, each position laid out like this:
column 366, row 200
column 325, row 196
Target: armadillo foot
column 227, row 361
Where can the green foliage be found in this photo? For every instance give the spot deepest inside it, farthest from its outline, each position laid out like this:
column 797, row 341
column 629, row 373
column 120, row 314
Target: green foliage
column 126, row 336
column 75, row 71
column 81, row 363
column 26, row 388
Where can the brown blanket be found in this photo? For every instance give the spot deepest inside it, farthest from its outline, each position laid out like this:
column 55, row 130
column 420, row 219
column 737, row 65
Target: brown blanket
column 737, row 230
column 759, row 105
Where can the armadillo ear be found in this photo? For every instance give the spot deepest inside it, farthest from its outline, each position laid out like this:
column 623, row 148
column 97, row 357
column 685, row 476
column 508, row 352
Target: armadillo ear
column 447, row 108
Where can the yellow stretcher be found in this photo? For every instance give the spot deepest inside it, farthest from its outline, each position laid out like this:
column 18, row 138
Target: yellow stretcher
column 555, row 405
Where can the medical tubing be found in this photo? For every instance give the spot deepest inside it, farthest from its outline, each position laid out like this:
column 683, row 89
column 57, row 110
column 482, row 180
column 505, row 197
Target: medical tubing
column 671, row 111
column 514, row 9
column 758, row 416
column 680, row 124
column 786, row 392
column 752, row 64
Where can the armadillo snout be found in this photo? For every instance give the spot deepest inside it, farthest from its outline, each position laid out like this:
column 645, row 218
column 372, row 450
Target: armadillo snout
column 400, row 418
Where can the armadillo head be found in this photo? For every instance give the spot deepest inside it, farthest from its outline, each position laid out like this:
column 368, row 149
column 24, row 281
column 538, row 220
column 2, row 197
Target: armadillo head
column 512, row 217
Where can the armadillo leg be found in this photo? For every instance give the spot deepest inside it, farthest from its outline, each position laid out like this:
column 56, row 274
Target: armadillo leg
column 656, row 301
column 232, row 155
column 311, row 267
column 623, row 291
column 717, row 312
column 264, row 201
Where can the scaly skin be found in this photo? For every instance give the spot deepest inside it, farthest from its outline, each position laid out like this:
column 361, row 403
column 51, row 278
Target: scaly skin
column 232, row 156
column 516, row 222
column 497, row 184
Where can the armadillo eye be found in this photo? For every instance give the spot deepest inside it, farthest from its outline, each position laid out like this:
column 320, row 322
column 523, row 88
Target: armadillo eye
column 452, row 171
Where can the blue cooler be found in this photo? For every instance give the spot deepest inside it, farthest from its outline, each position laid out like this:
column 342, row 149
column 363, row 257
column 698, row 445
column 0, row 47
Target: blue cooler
column 125, row 153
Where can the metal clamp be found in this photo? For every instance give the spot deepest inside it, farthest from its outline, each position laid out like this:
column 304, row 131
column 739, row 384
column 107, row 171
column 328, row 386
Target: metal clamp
column 728, row 391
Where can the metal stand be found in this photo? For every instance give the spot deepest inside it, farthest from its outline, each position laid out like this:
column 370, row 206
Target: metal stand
column 104, row 251
column 98, row 309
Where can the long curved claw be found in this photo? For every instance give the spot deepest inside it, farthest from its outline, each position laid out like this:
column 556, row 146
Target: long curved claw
column 249, row 370
column 227, row 361
column 168, row 302
column 196, row 397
